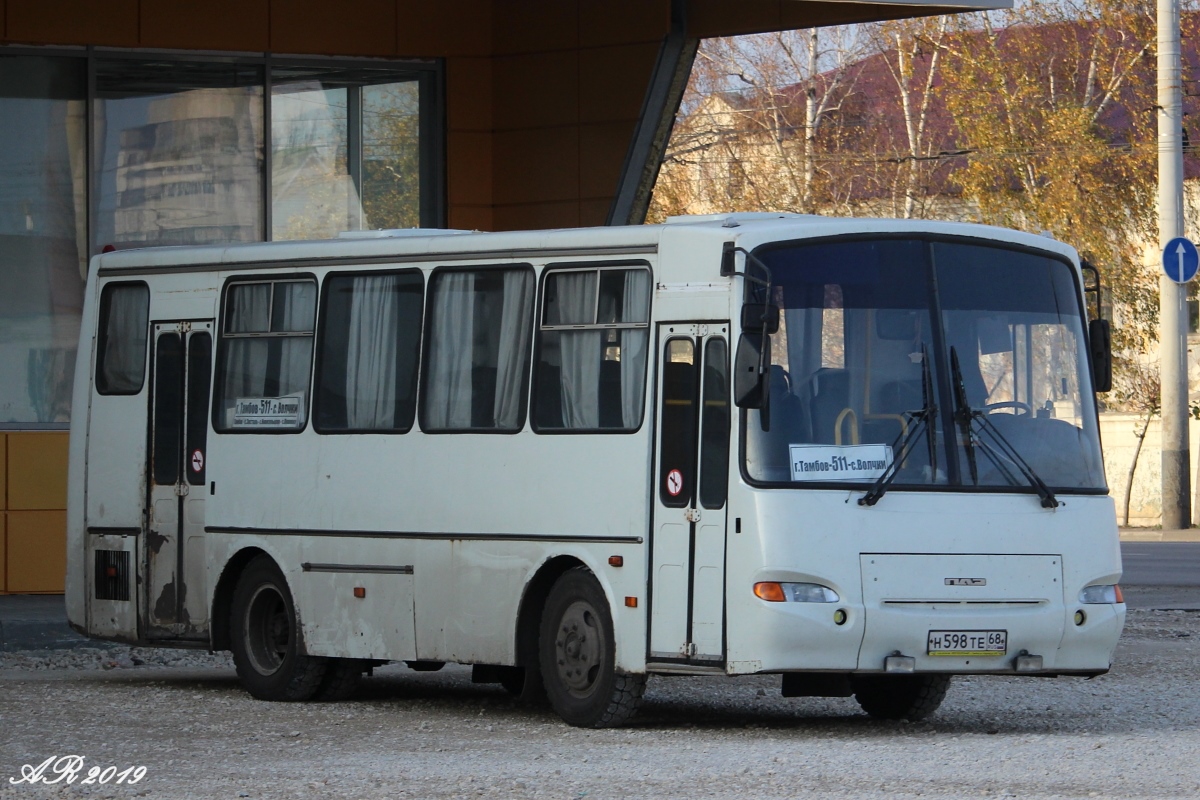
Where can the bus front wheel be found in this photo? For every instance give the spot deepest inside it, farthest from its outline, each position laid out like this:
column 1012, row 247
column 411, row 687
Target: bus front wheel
column 911, row 697
column 266, row 637
column 577, row 654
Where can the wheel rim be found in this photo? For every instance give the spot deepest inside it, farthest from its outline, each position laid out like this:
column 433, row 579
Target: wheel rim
column 580, row 649
column 267, row 629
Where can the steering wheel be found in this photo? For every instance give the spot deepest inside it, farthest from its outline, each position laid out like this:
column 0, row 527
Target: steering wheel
column 1022, row 408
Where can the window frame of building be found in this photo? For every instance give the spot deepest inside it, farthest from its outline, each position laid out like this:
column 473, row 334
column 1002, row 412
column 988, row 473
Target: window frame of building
column 429, row 75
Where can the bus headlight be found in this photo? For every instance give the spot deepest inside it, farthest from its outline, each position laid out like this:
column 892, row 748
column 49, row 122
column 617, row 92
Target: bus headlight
column 1101, row 594
column 775, row 592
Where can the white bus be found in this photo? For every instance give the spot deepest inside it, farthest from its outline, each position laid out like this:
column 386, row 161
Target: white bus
column 863, row 454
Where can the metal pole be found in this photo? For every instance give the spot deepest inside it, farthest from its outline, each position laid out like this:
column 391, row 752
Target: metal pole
column 1176, row 477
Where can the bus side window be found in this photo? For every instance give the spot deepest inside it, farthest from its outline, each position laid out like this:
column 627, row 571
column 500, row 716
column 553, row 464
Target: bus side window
column 592, row 342
column 678, row 438
column 121, row 344
column 476, row 368
column 368, row 353
column 265, row 358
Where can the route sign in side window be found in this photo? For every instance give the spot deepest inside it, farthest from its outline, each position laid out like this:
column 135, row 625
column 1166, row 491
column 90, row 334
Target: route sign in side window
column 265, row 359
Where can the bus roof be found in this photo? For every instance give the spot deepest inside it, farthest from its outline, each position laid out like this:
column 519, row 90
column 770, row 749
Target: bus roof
column 749, row 229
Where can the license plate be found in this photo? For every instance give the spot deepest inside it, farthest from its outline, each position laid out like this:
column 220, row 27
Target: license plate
column 967, row 643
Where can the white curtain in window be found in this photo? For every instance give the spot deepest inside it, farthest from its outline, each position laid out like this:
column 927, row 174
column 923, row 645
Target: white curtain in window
column 580, row 351
column 635, row 308
column 249, row 312
column 371, row 352
column 451, row 345
column 513, row 347
column 125, row 340
column 295, row 309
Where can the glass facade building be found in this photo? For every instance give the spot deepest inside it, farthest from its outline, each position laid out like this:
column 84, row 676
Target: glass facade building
column 112, row 149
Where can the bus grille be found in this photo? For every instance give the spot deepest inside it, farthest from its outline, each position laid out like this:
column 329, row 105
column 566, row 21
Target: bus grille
column 112, row 575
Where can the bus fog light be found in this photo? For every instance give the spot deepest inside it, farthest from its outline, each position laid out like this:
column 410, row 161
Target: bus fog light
column 1027, row 663
column 1080, row 617
column 1101, row 595
column 839, row 617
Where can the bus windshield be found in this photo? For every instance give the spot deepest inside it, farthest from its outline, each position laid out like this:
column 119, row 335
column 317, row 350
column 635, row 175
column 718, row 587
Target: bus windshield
column 963, row 363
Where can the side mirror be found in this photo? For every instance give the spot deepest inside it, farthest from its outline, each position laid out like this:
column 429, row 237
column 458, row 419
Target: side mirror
column 757, row 318
column 1100, row 344
column 751, row 371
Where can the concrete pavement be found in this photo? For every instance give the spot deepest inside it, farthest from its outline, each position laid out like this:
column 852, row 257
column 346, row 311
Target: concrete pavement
column 36, row 622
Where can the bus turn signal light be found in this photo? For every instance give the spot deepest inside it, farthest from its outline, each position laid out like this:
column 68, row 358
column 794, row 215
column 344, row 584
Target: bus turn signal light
column 616, row 561
column 360, row 592
column 770, row 591
column 631, row 602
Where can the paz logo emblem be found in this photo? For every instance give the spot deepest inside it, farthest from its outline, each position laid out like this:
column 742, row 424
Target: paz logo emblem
column 966, row 581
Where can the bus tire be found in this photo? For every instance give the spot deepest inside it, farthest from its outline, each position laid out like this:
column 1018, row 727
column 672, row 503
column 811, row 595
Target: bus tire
column 578, row 653
column 266, row 638
column 341, row 679
column 910, row 697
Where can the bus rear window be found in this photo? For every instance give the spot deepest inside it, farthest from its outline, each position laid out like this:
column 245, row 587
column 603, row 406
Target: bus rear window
column 265, row 356
column 121, row 349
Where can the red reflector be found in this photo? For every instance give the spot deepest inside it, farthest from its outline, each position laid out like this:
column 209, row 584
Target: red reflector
column 108, row 248
column 616, row 561
column 631, row 602
column 111, row 572
column 360, row 592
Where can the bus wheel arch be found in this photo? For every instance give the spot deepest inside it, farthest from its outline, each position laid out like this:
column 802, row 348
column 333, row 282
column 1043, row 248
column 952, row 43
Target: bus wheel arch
column 525, row 680
column 222, row 600
column 266, row 637
column 577, row 651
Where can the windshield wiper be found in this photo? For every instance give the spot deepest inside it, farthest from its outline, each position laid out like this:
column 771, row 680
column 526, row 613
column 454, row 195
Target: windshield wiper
column 965, row 415
column 907, row 438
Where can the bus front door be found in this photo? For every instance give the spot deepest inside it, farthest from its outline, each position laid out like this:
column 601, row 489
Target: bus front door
column 174, row 587
column 687, row 616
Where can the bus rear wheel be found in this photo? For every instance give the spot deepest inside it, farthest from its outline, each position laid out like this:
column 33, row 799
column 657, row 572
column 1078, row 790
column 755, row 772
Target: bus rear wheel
column 578, row 653
column 266, row 637
column 910, row 697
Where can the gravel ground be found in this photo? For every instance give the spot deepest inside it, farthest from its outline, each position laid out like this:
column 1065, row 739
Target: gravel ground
column 1133, row 733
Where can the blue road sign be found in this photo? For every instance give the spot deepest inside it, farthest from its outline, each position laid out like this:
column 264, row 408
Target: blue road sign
column 1180, row 260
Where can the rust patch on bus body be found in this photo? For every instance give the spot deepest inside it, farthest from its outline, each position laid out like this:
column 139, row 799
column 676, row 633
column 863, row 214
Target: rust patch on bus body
column 155, row 540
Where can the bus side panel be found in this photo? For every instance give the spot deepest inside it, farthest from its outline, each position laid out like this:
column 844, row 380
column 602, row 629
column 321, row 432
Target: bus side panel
column 354, row 594
column 557, row 487
column 115, row 501
column 474, row 515
column 76, row 583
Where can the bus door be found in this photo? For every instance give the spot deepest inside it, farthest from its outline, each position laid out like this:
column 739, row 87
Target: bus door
column 687, row 618
column 174, row 586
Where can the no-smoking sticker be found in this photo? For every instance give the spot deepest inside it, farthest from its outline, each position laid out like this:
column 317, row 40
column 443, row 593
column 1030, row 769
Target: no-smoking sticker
column 674, row 482
column 197, row 461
